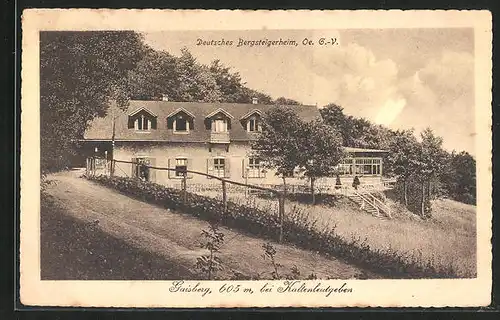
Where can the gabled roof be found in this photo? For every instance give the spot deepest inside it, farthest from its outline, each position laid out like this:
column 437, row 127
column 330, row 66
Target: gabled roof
column 142, row 109
column 102, row 128
column 173, row 113
column 252, row 112
column 220, row 110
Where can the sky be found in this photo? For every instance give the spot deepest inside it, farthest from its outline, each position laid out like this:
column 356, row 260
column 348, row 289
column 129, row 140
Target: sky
column 400, row 78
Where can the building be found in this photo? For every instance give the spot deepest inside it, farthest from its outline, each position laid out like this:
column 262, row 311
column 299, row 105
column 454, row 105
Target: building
column 212, row 138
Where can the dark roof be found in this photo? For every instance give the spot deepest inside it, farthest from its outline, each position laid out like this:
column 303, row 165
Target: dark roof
column 101, row 128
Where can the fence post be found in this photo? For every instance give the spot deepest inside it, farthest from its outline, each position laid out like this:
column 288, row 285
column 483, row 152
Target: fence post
column 112, row 169
column 281, row 214
column 184, row 187
column 224, row 196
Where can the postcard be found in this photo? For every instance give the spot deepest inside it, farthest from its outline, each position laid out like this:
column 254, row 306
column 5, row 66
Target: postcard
column 232, row 158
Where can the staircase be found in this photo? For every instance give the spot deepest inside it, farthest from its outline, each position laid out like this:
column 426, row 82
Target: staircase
column 369, row 203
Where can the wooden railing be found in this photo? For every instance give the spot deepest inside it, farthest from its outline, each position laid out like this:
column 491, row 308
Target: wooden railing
column 366, row 201
column 382, row 206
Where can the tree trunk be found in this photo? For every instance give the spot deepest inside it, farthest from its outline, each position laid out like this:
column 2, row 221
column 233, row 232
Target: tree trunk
column 422, row 207
column 313, row 196
column 405, row 192
column 284, row 187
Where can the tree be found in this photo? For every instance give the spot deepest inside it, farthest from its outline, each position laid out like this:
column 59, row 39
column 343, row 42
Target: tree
column 429, row 165
column 322, row 151
column 80, row 72
column 230, row 85
column 155, row 75
column 286, row 102
column 279, row 144
column 195, row 82
column 460, row 177
column 401, row 160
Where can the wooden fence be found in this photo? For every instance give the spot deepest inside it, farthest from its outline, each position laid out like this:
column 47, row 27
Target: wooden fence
column 223, row 183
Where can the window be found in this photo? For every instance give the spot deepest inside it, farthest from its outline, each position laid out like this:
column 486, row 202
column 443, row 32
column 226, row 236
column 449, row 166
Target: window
column 253, row 125
column 219, row 125
column 142, row 120
column 181, row 125
column 254, row 168
column 139, row 168
column 219, row 167
column 142, row 123
column 180, row 167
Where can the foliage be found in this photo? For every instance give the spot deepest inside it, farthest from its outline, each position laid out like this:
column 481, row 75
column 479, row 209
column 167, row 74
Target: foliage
column 287, row 143
column 269, row 254
column 459, row 178
column 80, row 72
column 411, row 161
column 298, row 229
column 322, row 151
column 211, row 263
column 286, row 102
column 280, row 143
column 184, row 78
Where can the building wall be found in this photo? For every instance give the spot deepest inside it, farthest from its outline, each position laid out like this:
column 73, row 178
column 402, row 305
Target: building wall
column 164, row 155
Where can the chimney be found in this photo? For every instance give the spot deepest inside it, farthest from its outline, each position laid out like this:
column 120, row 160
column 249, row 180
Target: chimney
column 255, row 100
column 164, row 97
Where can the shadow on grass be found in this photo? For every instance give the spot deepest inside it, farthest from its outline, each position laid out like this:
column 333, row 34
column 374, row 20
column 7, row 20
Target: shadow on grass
column 74, row 250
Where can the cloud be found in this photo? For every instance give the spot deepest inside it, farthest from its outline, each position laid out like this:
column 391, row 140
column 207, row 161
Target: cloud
column 353, row 77
column 439, row 94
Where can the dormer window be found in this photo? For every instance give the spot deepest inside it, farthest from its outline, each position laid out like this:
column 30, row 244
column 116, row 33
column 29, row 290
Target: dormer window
column 218, row 121
column 142, row 123
column 181, row 125
column 180, row 121
column 219, row 125
column 251, row 121
column 253, row 124
column 142, row 120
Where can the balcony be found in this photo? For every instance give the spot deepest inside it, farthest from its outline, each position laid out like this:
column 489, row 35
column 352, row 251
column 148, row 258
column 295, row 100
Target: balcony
column 219, row 137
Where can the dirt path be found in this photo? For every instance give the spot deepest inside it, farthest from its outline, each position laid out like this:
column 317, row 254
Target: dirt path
column 176, row 236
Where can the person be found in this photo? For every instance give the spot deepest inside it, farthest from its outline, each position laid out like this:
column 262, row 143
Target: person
column 355, row 182
column 338, row 183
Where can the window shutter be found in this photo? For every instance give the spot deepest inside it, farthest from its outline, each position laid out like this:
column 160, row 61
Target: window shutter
column 210, row 166
column 134, row 168
column 170, row 123
column 227, row 168
column 243, row 168
column 152, row 172
column 171, row 173
column 153, row 123
column 190, row 167
column 130, row 123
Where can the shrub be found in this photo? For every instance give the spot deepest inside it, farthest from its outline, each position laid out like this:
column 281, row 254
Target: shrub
column 297, row 229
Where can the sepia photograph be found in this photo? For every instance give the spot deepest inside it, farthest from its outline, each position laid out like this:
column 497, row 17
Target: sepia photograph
column 258, row 161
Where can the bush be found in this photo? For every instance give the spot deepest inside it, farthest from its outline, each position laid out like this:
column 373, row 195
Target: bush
column 297, row 229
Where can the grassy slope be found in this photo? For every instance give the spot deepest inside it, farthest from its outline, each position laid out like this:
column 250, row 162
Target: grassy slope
column 148, row 233
column 74, row 250
column 448, row 238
